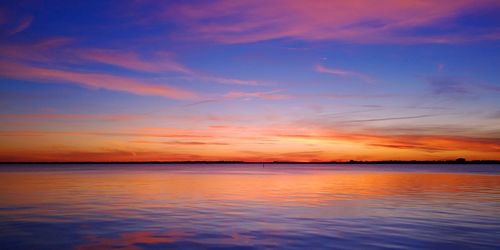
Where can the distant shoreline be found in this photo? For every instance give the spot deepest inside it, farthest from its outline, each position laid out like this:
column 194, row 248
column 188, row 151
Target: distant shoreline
column 458, row 161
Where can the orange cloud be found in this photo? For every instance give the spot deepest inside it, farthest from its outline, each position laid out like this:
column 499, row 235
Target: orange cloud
column 255, row 143
column 158, row 133
column 181, row 143
column 91, row 80
column 407, row 141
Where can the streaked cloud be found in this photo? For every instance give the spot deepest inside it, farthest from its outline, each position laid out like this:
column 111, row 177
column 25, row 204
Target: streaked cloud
column 181, row 143
column 200, row 102
column 22, row 25
column 391, row 118
column 56, row 52
column 405, row 141
column 130, row 60
column 42, row 51
column 448, row 86
column 343, row 73
column 75, row 117
column 225, row 80
column 319, row 143
column 388, row 21
column 270, row 95
column 164, row 133
column 91, row 80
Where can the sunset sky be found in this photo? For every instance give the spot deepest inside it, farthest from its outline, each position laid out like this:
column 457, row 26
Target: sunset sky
column 249, row 80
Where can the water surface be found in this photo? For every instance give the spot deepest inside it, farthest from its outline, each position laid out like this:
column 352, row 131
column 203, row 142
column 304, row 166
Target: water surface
column 245, row 206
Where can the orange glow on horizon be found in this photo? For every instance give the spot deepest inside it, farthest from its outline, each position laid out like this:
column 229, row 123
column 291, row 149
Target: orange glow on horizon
column 248, row 144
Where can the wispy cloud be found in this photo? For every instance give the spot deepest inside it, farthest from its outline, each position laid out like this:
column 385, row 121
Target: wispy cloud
column 225, row 80
column 182, row 143
column 22, row 25
column 196, row 76
column 490, row 87
column 163, row 133
column 459, row 87
column 200, row 102
column 75, row 117
column 130, row 60
column 388, row 21
column 391, row 118
column 448, row 86
column 343, row 73
column 406, row 141
column 410, row 145
column 91, row 80
column 21, row 62
column 42, row 51
column 270, row 95
column 494, row 115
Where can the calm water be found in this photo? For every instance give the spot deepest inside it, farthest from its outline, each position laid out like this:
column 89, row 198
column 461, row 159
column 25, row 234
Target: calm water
column 247, row 207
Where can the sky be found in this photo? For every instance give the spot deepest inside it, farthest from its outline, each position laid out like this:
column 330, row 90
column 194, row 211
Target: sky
column 281, row 80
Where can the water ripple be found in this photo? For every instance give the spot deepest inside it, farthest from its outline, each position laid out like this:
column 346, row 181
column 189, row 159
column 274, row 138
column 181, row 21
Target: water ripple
column 245, row 207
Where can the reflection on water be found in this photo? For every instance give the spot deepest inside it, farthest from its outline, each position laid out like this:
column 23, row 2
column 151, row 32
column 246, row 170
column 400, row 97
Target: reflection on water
column 247, row 206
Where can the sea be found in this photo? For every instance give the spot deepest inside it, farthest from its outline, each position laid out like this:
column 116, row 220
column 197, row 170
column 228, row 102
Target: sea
column 249, row 206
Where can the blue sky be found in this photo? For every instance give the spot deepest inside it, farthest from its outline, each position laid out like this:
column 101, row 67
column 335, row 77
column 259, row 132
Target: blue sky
column 249, row 80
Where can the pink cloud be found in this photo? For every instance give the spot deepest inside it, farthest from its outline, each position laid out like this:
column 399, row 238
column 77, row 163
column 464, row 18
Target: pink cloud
column 160, row 63
column 77, row 117
column 230, row 81
column 271, row 95
column 13, row 21
column 22, row 25
column 91, row 80
column 245, row 21
column 163, row 61
column 343, row 73
column 133, row 61
column 53, row 42
column 197, row 76
column 44, row 51
column 54, row 50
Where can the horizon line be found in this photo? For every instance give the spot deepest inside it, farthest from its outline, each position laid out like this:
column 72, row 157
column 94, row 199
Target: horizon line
column 456, row 161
